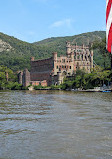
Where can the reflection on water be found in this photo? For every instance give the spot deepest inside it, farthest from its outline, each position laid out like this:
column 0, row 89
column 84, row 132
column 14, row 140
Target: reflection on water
column 55, row 125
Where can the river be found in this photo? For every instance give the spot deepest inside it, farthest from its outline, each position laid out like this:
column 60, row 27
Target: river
column 55, row 125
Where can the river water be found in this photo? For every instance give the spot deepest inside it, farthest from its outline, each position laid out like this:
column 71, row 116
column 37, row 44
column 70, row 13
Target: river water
column 55, row 125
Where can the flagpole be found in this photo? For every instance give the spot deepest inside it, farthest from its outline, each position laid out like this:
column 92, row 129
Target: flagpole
column 111, row 57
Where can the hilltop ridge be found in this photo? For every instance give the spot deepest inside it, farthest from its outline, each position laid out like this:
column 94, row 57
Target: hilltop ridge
column 16, row 54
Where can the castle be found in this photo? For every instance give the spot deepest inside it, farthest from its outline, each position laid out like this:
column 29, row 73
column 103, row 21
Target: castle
column 53, row 70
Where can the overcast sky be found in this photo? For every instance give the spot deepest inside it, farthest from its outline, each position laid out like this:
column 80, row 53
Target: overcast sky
column 35, row 20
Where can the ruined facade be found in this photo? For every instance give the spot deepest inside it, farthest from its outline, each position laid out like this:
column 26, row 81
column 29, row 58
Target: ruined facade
column 53, row 70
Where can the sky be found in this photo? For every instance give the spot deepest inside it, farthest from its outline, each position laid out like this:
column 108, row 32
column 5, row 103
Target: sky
column 35, row 20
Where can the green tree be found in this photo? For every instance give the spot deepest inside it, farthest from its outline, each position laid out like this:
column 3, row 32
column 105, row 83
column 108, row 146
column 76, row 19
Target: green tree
column 6, row 77
column 101, row 47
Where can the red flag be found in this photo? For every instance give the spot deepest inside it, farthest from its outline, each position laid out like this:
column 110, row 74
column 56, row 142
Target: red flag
column 109, row 24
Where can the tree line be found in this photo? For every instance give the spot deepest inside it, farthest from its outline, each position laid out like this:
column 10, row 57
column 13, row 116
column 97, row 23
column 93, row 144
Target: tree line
column 8, row 79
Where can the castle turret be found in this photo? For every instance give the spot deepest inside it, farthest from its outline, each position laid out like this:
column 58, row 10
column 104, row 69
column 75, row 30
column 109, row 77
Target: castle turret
column 26, row 78
column 32, row 59
column 83, row 46
column 91, row 54
column 55, row 56
column 20, row 74
column 72, row 56
column 60, row 78
column 68, row 49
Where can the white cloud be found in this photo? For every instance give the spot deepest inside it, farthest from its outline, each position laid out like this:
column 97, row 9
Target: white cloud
column 65, row 22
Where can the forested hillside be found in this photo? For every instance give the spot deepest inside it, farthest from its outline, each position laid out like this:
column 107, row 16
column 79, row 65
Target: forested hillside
column 16, row 54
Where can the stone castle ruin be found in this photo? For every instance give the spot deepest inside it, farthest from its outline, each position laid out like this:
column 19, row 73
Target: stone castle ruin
column 53, row 70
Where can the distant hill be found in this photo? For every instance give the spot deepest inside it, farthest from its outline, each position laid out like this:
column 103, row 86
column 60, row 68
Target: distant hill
column 81, row 38
column 16, row 54
column 59, row 43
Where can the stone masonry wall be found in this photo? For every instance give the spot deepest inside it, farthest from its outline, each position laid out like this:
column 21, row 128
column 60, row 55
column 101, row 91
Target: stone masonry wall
column 41, row 70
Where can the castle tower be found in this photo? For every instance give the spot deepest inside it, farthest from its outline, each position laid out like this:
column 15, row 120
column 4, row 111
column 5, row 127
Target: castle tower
column 72, row 56
column 55, row 56
column 83, row 46
column 20, row 74
column 32, row 59
column 91, row 55
column 68, row 49
column 60, row 78
column 26, row 78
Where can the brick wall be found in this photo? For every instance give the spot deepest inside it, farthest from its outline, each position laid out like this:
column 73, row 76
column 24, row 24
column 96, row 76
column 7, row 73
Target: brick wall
column 41, row 71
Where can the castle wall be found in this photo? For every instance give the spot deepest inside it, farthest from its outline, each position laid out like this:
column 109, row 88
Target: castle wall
column 83, row 57
column 26, row 78
column 64, row 64
column 36, row 83
column 20, row 74
column 41, row 70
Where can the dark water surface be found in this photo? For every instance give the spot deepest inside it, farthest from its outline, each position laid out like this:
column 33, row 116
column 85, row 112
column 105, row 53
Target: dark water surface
column 55, row 125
